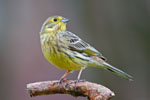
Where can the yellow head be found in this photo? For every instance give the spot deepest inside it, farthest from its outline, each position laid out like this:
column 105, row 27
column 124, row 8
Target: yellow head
column 54, row 24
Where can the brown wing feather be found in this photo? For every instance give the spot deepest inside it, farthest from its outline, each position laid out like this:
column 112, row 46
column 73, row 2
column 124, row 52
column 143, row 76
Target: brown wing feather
column 77, row 44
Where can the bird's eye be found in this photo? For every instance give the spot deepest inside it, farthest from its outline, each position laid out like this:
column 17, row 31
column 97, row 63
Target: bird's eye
column 55, row 20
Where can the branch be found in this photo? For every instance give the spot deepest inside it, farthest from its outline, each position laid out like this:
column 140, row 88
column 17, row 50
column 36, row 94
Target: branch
column 83, row 88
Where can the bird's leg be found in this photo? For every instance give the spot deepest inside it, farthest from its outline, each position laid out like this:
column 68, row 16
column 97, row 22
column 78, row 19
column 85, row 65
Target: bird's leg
column 78, row 78
column 63, row 77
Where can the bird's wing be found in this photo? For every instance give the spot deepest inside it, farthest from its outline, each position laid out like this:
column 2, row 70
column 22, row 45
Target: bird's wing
column 77, row 44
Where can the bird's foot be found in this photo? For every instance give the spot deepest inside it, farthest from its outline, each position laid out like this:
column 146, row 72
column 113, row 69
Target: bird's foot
column 60, row 84
column 76, row 83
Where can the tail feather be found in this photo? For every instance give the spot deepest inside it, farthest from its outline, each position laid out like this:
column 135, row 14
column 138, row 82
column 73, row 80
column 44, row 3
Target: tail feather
column 117, row 71
column 102, row 64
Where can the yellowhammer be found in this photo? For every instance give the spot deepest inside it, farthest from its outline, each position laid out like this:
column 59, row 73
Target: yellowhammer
column 67, row 51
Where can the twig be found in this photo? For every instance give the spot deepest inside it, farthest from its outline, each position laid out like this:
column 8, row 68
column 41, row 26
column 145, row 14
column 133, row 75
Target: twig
column 83, row 88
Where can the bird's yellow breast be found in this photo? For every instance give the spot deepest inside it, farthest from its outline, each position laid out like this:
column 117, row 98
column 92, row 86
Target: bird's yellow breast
column 57, row 57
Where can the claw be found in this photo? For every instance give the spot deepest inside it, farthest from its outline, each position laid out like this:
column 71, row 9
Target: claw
column 76, row 82
column 78, row 78
column 60, row 84
column 62, row 79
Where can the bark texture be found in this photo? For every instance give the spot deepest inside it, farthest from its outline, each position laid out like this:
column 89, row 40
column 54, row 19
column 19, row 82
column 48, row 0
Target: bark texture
column 83, row 88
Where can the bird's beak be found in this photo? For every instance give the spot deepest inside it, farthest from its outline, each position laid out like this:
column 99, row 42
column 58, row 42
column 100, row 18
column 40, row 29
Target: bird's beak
column 64, row 20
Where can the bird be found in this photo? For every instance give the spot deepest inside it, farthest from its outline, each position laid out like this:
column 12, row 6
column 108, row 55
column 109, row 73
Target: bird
column 69, row 52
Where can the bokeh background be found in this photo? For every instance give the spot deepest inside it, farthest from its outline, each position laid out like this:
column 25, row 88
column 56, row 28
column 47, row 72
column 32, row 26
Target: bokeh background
column 120, row 29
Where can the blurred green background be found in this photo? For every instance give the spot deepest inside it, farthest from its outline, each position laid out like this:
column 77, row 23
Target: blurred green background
column 120, row 29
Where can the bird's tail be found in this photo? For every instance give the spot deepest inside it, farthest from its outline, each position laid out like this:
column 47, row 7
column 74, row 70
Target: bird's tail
column 103, row 64
column 117, row 71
